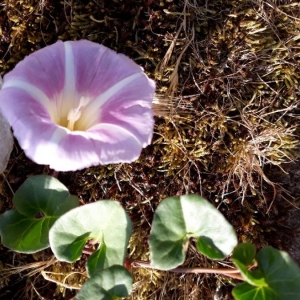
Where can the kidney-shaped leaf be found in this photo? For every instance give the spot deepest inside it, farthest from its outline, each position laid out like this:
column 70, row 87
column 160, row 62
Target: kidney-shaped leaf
column 177, row 219
column 104, row 222
column 281, row 278
column 108, row 284
column 39, row 202
column 244, row 253
column 245, row 291
column 243, row 257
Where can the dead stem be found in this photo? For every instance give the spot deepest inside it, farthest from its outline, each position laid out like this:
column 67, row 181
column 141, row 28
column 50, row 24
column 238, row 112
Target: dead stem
column 233, row 273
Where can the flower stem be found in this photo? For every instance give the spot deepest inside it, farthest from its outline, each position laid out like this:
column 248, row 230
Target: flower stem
column 233, row 273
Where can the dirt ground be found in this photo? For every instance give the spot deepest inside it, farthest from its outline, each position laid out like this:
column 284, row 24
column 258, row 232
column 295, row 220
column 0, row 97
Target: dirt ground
column 227, row 127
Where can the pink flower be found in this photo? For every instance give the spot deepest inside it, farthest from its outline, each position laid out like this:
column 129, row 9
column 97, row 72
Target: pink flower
column 77, row 104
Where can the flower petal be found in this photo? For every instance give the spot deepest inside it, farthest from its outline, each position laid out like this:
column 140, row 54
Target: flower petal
column 43, row 69
column 16, row 104
column 97, row 147
column 40, row 144
column 65, row 151
column 137, row 120
column 77, row 104
column 98, row 68
column 136, row 93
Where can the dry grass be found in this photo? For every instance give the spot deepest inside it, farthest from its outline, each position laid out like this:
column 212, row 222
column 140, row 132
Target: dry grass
column 248, row 74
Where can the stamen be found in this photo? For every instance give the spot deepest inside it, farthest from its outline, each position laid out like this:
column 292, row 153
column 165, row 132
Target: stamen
column 75, row 114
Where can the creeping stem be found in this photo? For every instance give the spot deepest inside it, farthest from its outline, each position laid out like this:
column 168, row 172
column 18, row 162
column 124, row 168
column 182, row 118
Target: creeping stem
column 233, row 273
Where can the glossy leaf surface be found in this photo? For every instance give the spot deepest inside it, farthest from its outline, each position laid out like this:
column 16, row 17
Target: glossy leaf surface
column 104, row 222
column 109, row 284
column 177, row 219
column 39, row 202
column 279, row 278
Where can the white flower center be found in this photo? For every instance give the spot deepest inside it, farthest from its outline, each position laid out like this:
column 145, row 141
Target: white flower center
column 75, row 114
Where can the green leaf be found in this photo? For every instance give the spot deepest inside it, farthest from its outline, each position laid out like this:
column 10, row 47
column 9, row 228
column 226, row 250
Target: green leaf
column 105, row 222
column 177, row 219
column 108, row 284
column 245, row 291
column 97, row 260
column 39, row 202
column 207, row 246
column 279, row 278
column 245, row 253
column 244, row 256
column 281, row 272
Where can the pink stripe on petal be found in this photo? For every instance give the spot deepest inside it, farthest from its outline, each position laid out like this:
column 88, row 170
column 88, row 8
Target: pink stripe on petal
column 111, row 133
column 65, row 151
column 98, row 68
column 75, row 152
column 134, row 91
column 39, row 144
column 115, row 144
column 56, row 146
column 78, row 151
column 126, row 151
column 138, row 92
column 137, row 120
column 30, row 90
column 100, row 100
column 16, row 104
column 43, row 69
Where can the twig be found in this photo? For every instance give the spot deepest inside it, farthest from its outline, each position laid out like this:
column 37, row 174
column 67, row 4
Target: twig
column 233, row 273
